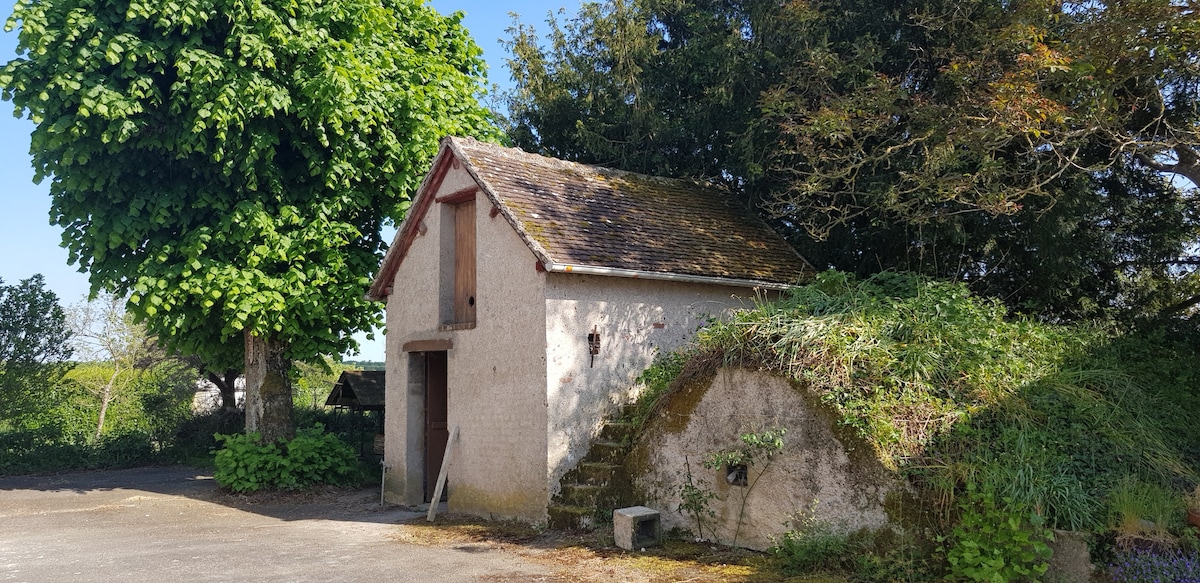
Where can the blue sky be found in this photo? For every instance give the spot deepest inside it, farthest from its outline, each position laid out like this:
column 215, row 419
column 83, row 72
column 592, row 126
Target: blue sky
column 29, row 244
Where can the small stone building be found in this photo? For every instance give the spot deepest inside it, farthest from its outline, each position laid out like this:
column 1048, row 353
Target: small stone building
column 524, row 296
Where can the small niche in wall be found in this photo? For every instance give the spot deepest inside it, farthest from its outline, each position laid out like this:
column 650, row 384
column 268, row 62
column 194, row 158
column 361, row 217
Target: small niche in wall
column 737, row 475
column 593, row 340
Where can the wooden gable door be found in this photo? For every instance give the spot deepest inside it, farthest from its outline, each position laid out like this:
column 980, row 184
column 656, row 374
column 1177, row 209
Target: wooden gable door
column 436, row 417
column 464, row 262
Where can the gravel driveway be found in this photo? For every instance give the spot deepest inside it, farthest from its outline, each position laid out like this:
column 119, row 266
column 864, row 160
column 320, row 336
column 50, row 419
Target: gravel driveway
column 173, row 525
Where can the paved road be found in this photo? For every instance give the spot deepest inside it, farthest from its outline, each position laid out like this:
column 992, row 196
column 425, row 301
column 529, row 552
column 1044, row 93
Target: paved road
column 173, row 525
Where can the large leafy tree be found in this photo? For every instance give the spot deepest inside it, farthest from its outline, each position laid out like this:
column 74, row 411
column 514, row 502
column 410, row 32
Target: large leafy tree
column 1043, row 151
column 228, row 163
column 34, row 348
column 929, row 108
column 655, row 86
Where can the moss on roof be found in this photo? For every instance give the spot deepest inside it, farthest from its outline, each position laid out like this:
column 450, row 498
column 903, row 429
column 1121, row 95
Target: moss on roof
column 579, row 214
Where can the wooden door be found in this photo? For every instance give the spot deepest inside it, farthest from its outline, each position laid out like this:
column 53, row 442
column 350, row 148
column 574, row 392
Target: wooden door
column 464, row 262
column 436, row 415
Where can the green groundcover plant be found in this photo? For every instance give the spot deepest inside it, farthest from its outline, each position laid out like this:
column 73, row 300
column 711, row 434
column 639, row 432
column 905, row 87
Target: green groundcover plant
column 312, row 457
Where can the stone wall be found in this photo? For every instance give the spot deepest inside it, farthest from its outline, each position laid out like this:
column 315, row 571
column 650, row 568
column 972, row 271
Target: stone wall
column 818, row 474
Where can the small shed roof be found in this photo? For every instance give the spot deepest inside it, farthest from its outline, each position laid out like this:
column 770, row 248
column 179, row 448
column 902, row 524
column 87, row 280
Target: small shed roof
column 360, row 390
column 589, row 219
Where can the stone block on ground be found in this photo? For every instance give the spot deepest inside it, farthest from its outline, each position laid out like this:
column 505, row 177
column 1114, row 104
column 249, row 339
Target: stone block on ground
column 637, row 527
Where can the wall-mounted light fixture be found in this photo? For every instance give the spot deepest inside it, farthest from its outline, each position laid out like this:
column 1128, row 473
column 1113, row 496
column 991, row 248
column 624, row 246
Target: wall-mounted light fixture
column 593, row 345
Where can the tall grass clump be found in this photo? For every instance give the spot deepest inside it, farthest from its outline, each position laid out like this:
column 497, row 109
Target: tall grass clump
column 951, row 389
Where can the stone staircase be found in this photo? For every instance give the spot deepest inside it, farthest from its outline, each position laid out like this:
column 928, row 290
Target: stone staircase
column 589, row 493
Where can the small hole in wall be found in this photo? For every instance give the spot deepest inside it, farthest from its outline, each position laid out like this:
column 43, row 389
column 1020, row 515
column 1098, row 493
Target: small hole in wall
column 471, row 301
column 737, row 475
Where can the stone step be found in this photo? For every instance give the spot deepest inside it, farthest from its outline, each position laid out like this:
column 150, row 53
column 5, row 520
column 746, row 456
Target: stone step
column 579, row 494
column 618, row 431
column 607, row 452
column 598, row 473
column 563, row 516
column 584, row 489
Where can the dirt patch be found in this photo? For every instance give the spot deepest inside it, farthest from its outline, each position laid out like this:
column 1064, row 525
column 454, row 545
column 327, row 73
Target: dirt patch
column 592, row 557
column 316, row 495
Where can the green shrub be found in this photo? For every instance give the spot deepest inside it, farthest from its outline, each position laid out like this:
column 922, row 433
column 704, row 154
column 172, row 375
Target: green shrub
column 355, row 428
column 312, row 457
column 195, row 438
column 812, row 547
column 49, row 449
column 39, row 449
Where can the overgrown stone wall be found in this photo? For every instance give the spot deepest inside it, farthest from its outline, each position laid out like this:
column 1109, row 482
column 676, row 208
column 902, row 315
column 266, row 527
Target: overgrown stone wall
column 818, row 475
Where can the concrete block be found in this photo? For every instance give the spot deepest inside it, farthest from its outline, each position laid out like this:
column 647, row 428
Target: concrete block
column 637, row 527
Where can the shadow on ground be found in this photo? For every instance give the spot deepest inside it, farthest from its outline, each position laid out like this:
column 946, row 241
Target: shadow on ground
column 358, row 505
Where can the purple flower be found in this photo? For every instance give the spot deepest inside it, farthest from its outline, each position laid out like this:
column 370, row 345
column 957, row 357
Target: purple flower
column 1138, row 566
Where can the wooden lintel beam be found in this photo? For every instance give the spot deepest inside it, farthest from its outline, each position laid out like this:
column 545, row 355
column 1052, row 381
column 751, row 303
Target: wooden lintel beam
column 431, row 345
column 458, row 196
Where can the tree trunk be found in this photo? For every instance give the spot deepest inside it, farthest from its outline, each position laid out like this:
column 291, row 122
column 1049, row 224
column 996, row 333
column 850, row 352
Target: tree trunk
column 227, row 385
column 268, row 389
column 105, row 399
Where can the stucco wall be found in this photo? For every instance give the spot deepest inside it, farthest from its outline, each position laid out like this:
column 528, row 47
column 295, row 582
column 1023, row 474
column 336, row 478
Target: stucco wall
column 496, row 370
column 814, row 474
column 635, row 319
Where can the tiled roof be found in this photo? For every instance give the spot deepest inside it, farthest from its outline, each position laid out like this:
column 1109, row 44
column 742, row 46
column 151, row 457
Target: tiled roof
column 589, row 219
column 582, row 215
column 358, row 390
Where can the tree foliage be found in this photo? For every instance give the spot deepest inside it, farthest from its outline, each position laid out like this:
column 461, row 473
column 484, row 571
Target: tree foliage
column 659, row 87
column 228, row 164
column 1043, row 151
column 313, row 382
column 33, row 346
column 934, row 107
